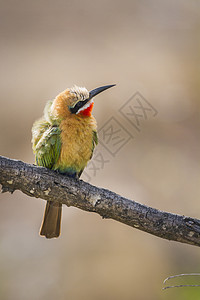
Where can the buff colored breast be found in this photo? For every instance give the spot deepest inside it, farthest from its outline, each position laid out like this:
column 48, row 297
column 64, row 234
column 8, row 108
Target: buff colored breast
column 77, row 143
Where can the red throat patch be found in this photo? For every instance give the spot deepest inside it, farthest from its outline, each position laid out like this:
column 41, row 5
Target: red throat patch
column 88, row 111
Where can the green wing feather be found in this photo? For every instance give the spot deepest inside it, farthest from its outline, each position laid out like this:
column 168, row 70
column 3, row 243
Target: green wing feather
column 94, row 141
column 46, row 143
column 95, row 138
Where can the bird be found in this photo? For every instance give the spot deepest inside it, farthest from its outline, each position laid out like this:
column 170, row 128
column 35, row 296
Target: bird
column 63, row 140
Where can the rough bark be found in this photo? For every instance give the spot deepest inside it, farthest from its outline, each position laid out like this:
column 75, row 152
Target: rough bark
column 43, row 183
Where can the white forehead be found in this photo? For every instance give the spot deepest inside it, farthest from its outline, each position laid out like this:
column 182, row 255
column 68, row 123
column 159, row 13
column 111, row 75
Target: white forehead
column 81, row 93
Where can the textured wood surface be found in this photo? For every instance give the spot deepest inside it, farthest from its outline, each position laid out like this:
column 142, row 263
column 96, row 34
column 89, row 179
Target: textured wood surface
column 43, row 183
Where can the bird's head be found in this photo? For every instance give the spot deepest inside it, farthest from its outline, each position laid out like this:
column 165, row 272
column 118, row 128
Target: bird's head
column 76, row 101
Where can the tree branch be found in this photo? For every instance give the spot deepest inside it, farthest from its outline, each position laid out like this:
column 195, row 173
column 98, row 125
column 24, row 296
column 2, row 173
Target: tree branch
column 43, row 183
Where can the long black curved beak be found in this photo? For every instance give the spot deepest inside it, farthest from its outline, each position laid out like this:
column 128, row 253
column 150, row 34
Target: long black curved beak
column 99, row 90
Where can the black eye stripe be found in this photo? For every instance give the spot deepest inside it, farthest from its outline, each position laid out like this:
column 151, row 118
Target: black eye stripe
column 78, row 106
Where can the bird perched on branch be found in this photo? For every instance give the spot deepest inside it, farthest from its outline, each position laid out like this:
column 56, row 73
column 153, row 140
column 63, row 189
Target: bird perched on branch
column 64, row 140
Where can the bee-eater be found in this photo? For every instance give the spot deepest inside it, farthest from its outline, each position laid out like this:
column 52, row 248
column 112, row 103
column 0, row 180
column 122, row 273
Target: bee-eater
column 64, row 140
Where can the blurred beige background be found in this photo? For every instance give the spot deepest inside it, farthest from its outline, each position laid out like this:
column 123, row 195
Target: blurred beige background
column 147, row 46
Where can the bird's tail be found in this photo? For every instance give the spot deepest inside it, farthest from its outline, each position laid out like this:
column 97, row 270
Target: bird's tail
column 52, row 219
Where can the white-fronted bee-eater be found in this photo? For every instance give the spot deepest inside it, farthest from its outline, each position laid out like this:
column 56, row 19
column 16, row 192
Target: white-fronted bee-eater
column 64, row 140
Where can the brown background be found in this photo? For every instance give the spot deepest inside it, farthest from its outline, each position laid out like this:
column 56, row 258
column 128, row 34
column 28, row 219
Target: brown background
column 146, row 46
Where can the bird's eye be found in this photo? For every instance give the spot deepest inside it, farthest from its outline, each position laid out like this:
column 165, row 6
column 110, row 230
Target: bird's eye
column 79, row 104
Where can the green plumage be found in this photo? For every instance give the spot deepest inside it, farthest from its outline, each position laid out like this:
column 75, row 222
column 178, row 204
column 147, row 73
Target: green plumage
column 46, row 143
